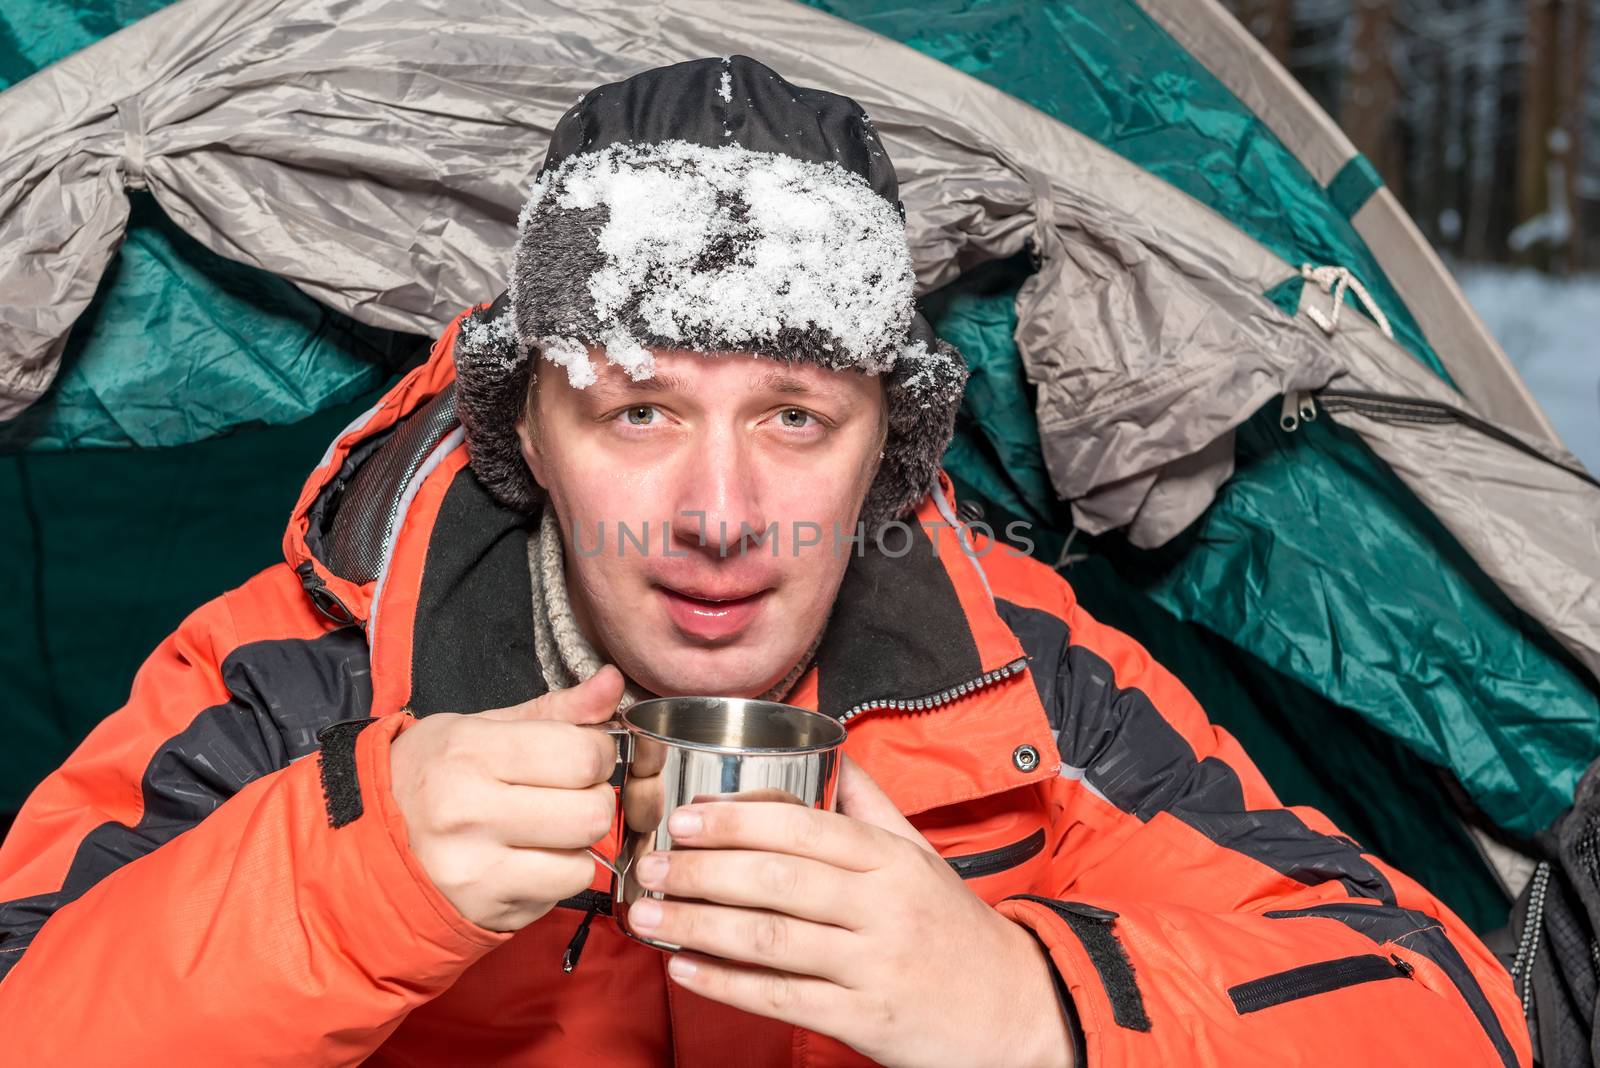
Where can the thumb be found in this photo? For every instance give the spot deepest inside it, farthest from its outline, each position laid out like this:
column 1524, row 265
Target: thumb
column 862, row 799
column 594, row 700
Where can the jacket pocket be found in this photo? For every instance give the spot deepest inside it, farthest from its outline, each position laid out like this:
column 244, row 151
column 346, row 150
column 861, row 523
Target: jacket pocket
column 1309, row 980
column 990, row 861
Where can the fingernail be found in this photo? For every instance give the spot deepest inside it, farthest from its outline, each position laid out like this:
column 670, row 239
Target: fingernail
column 645, row 914
column 652, row 869
column 684, row 823
column 680, row 967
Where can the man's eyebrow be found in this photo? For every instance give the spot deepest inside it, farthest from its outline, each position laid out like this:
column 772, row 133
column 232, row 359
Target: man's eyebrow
column 663, row 382
column 775, row 381
column 782, row 382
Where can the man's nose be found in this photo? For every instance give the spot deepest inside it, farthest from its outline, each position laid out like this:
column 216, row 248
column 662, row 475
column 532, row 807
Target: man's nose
column 719, row 500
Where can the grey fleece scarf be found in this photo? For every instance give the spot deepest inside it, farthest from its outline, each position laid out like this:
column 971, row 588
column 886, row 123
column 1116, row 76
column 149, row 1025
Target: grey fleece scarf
column 565, row 656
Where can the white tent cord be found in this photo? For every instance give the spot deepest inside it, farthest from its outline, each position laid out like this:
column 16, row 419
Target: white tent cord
column 1336, row 280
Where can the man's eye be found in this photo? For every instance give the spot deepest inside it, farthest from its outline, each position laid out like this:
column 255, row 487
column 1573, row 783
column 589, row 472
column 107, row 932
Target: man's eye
column 794, row 418
column 641, row 415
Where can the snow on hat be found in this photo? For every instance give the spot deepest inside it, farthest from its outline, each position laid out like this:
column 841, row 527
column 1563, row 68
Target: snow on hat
column 712, row 206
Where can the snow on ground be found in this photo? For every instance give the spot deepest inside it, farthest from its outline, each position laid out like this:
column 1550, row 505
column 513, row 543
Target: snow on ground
column 1550, row 327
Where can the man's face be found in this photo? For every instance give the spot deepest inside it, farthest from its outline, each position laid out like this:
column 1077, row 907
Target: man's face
column 715, row 446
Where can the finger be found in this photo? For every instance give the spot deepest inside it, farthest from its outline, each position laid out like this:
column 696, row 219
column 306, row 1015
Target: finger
column 863, row 799
column 543, row 754
column 799, row 1000
column 529, row 817
column 754, row 936
column 796, row 886
column 649, row 757
column 594, row 700
column 776, row 827
column 541, row 876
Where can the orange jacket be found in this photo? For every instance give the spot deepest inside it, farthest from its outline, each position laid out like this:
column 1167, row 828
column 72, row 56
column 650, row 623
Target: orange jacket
column 199, row 884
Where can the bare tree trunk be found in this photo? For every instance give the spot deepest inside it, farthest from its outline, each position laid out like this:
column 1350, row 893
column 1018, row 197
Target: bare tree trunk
column 1536, row 118
column 1489, row 61
column 1576, row 30
column 1424, row 109
column 1452, row 179
column 1371, row 95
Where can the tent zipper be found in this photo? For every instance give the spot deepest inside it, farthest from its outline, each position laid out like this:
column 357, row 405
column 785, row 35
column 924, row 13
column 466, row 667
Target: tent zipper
column 1298, row 407
column 943, row 697
column 1392, row 408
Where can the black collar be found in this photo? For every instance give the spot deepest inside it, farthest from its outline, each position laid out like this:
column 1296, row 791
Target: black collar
column 897, row 629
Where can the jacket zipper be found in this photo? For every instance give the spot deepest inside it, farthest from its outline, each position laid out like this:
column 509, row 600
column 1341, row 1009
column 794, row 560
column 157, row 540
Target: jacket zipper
column 1532, row 932
column 590, row 902
column 977, row 865
column 1312, row 979
column 323, row 599
column 943, row 697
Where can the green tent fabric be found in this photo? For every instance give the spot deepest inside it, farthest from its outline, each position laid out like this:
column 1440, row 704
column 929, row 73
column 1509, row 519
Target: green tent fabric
column 1351, row 711
column 36, row 33
column 226, row 347
column 109, row 550
column 1352, row 527
column 160, row 468
column 1121, row 79
column 1313, row 751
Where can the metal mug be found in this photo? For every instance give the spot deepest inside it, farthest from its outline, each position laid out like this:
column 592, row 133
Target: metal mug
column 678, row 750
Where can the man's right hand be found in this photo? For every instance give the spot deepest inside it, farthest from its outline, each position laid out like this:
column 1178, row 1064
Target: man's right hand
column 501, row 806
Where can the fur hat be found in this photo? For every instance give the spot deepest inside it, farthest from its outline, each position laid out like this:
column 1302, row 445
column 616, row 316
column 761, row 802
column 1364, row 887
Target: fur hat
column 712, row 206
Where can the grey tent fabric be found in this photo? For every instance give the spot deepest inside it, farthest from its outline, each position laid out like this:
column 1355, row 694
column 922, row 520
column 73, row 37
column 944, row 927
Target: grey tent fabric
column 1475, row 361
column 1495, row 499
column 277, row 136
column 376, row 152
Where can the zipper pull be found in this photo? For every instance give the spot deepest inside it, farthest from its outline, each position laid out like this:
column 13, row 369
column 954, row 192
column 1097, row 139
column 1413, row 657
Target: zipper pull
column 569, row 959
column 1404, row 967
column 1298, row 407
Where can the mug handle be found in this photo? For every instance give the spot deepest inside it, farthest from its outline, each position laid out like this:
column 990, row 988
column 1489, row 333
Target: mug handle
column 618, row 730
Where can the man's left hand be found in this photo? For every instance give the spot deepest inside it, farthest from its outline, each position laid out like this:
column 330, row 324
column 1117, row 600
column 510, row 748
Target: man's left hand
column 851, row 925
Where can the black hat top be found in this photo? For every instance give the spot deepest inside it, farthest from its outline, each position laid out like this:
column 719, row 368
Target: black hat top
column 721, row 101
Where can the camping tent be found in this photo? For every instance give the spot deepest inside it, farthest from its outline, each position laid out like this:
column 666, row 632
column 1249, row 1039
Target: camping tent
column 1246, row 408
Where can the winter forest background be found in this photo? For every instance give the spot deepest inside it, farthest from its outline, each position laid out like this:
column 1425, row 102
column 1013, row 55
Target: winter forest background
column 1484, row 117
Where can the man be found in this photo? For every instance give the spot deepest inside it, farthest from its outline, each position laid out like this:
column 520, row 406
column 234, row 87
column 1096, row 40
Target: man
column 698, row 440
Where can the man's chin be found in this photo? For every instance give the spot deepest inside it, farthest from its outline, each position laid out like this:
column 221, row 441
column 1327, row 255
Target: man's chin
column 728, row 671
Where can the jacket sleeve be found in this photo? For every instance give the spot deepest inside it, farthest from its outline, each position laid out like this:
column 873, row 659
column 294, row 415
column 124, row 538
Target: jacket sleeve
column 179, row 891
column 1196, row 920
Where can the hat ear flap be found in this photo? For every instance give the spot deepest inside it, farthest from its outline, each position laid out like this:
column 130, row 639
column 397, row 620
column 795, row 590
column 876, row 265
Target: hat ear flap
column 924, row 394
column 493, row 371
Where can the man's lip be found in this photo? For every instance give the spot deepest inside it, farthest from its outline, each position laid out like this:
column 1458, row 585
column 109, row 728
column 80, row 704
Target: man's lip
column 722, row 598
column 712, row 618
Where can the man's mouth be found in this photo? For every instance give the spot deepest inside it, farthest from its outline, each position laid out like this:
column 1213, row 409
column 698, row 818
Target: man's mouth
column 712, row 615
